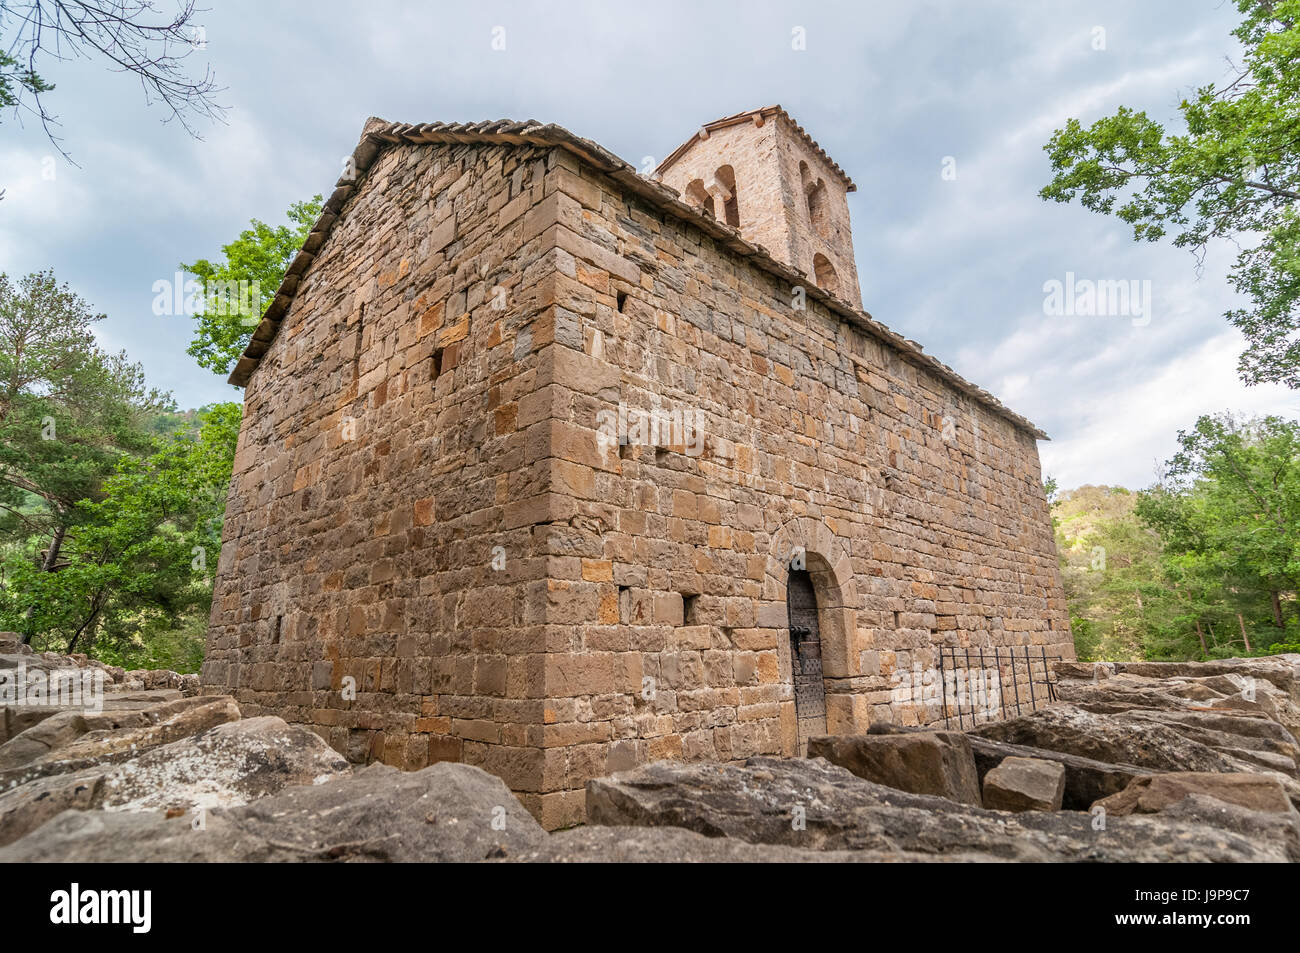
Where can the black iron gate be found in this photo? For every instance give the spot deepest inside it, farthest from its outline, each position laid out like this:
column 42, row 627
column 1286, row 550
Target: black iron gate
column 806, row 658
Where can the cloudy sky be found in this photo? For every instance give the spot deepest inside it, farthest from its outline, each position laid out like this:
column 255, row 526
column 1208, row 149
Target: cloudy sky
column 896, row 93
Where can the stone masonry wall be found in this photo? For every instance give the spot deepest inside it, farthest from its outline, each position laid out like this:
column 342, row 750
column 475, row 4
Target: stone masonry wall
column 384, row 456
column 638, row 611
column 921, row 513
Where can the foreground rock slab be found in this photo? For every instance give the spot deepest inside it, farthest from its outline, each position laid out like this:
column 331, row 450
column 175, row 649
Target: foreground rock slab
column 1111, row 738
column 1267, row 688
column 921, row 762
column 655, row 845
column 1157, row 793
column 446, row 812
column 813, row 804
column 15, row 719
column 1278, row 670
column 71, row 738
column 1025, row 784
column 229, row 765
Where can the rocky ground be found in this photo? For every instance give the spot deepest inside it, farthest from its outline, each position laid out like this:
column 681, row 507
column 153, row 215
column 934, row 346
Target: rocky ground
column 1150, row 762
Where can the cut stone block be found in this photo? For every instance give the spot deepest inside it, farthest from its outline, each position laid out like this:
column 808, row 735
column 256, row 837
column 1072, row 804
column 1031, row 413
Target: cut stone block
column 1025, row 784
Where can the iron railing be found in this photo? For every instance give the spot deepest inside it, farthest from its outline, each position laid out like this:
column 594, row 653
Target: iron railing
column 983, row 684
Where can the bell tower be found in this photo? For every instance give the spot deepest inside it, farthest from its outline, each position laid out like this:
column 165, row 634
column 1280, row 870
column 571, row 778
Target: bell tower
column 760, row 172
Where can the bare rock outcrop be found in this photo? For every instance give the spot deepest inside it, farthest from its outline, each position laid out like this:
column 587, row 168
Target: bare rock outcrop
column 73, row 738
column 653, row 845
column 231, row 764
column 1233, row 716
column 1266, row 687
column 1157, row 793
column 813, row 804
column 25, row 702
column 1130, row 765
column 1086, row 779
column 1101, row 737
column 446, row 812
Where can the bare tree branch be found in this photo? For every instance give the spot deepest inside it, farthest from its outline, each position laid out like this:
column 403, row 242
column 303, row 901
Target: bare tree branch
column 130, row 35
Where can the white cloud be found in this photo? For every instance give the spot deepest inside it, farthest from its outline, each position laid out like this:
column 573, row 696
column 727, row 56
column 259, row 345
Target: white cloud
column 1132, row 425
column 959, row 266
column 46, row 205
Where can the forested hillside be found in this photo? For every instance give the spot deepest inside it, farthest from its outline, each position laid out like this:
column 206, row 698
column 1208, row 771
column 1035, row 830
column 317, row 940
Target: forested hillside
column 1204, row 564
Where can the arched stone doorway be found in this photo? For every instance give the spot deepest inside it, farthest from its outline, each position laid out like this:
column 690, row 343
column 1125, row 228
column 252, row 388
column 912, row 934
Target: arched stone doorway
column 805, row 658
column 806, row 554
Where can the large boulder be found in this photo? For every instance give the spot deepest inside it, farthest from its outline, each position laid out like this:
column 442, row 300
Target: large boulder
column 49, row 739
column 1266, row 686
column 15, row 719
column 152, row 679
column 1281, row 671
column 445, row 812
column 1277, row 705
column 54, row 731
column 1216, row 711
column 810, row 803
column 922, row 762
column 1153, row 742
column 1103, row 737
column 1157, row 793
column 1025, row 784
column 1239, row 724
column 1123, row 693
column 1233, row 732
column 229, row 765
column 116, row 680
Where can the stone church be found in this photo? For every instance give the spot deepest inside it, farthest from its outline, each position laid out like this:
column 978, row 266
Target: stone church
column 555, row 468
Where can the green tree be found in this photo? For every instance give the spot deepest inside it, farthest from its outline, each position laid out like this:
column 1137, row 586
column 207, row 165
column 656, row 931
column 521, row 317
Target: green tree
column 258, row 259
column 141, row 558
column 1232, row 172
column 1228, row 512
column 68, row 411
column 1205, row 564
column 1114, row 583
column 16, row 79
